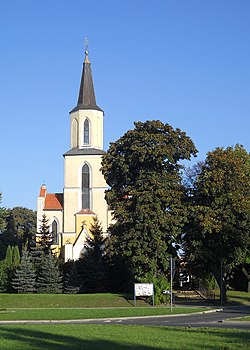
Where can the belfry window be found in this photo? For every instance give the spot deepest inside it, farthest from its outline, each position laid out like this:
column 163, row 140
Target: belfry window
column 54, row 233
column 86, row 132
column 85, row 187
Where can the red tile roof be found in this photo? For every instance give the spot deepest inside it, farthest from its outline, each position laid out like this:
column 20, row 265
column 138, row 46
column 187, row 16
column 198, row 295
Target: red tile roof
column 53, row 201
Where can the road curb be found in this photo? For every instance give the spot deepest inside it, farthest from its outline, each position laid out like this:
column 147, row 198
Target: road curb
column 106, row 319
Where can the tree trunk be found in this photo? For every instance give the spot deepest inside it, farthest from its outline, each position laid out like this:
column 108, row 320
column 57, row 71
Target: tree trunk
column 248, row 278
column 218, row 274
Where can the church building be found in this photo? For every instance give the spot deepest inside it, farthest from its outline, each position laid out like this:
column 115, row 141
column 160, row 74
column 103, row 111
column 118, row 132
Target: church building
column 70, row 213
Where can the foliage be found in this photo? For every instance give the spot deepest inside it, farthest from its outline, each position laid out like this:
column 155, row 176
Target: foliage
column 145, row 191
column 92, row 263
column 161, row 283
column 3, row 277
column 72, row 278
column 7, row 268
column 24, row 280
column 3, row 223
column 45, row 236
column 218, row 235
column 3, row 217
column 49, row 279
column 21, row 225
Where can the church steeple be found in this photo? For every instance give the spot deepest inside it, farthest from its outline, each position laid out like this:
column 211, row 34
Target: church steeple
column 86, row 97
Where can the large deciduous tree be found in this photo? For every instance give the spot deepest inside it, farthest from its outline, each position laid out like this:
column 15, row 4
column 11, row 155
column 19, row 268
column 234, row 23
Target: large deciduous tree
column 3, row 216
column 20, row 228
column 142, row 170
column 3, row 223
column 21, row 225
column 218, row 234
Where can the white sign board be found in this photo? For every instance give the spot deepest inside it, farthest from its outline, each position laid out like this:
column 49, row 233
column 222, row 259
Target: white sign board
column 144, row 289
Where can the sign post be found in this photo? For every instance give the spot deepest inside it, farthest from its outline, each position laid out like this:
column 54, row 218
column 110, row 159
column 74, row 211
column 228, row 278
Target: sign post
column 144, row 290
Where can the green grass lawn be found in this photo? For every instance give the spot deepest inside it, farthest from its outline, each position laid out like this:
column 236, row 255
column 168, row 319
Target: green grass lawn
column 117, row 337
column 71, row 314
column 65, row 300
column 77, row 306
column 242, row 298
column 235, row 297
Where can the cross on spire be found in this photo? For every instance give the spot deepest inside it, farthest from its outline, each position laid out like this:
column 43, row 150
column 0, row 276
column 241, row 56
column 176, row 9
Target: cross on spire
column 86, row 44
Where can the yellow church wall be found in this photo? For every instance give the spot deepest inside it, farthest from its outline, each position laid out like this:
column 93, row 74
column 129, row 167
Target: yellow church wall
column 85, row 220
column 68, row 238
column 73, row 178
column 71, row 207
column 72, row 190
column 96, row 128
column 100, row 207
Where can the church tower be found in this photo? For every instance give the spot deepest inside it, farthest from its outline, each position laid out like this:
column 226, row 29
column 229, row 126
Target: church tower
column 84, row 185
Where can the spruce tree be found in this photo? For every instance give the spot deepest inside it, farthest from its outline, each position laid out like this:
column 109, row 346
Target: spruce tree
column 49, row 279
column 45, row 236
column 92, row 262
column 72, row 278
column 24, row 280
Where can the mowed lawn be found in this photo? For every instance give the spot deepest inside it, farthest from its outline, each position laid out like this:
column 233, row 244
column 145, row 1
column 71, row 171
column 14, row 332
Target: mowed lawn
column 65, row 300
column 73, row 314
column 117, row 337
column 105, row 337
column 78, row 306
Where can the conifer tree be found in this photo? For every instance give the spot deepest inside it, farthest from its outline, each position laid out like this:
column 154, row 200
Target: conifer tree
column 12, row 260
column 93, row 266
column 73, row 279
column 49, row 279
column 45, row 236
column 3, row 277
column 15, row 256
column 24, row 280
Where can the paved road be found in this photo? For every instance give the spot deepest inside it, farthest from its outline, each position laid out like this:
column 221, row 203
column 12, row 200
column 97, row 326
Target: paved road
column 222, row 319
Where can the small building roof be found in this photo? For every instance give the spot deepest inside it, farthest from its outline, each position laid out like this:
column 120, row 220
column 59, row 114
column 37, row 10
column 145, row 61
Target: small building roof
column 53, row 201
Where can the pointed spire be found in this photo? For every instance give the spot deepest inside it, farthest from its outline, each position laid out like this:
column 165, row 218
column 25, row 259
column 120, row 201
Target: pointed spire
column 86, row 98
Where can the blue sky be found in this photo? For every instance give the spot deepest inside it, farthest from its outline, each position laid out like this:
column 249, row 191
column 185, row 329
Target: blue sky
column 185, row 62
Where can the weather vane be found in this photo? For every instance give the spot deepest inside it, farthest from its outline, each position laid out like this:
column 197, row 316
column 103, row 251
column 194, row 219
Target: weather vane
column 86, row 44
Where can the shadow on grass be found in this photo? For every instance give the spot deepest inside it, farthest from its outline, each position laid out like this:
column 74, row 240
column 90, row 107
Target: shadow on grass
column 128, row 297
column 241, row 300
column 16, row 338
column 232, row 336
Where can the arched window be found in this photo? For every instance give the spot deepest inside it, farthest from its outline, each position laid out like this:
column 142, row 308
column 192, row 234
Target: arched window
column 86, row 132
column 74, row 134
column 54, row 232
column 85, row 187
